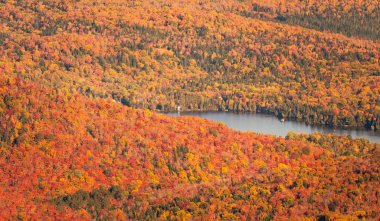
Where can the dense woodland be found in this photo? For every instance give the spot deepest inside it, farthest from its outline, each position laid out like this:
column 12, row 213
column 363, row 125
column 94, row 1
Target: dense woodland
column 73, row 146
column 237, row 56
column 349, row 17
column 69, row 157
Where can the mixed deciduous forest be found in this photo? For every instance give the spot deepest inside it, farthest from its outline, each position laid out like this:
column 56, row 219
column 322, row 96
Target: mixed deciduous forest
column 64, row 155
column 81, row 82
column 204, row 55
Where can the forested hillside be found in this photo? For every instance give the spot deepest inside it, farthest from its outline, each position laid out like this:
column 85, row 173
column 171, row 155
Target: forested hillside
column 201, row 55
column 68, row 157
column 349, row 17
column 73, row 146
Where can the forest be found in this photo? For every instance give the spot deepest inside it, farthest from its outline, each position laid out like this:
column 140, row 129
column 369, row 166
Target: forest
column 158, row 55
column 73, row 158
column 349, row 17
column 83, row 85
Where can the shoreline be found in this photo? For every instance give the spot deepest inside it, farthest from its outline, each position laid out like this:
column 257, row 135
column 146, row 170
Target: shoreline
column 327, row 126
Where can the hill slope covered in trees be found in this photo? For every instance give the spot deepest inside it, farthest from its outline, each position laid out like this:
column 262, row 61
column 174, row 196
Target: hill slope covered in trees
column 69, row 157
column 198, row 54
column 73, row 146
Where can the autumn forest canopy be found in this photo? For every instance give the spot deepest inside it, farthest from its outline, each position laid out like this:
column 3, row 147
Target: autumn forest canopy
column 81, row 83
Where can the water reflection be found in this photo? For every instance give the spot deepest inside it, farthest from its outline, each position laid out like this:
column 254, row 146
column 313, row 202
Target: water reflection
column 267, row 124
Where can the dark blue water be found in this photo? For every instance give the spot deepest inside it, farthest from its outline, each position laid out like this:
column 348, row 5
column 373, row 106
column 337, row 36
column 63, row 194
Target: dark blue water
column 267, row 124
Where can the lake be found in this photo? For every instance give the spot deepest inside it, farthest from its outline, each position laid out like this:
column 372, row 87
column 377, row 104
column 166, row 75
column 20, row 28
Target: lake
column 268, row 124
